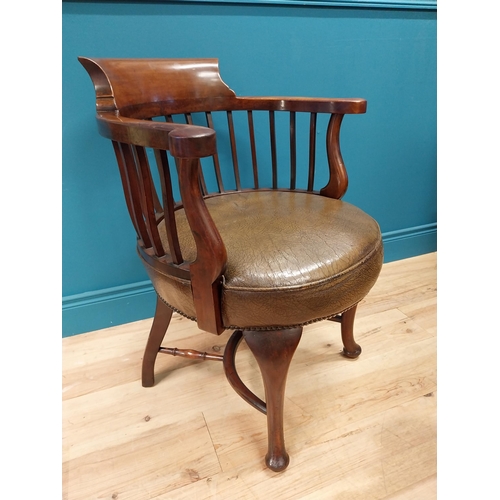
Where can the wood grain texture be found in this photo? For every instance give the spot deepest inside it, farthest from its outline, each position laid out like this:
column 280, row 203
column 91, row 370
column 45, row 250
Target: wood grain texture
column 133, row 96
column 363, row 428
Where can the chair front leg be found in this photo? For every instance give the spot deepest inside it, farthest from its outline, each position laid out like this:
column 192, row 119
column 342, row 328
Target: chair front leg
column 163, row 314
column 273, row 351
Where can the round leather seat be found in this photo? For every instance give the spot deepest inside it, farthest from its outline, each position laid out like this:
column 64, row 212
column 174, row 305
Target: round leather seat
column 292, row 258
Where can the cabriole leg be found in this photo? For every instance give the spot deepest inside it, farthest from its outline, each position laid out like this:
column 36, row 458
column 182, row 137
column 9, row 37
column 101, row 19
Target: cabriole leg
column 351, row 349
column 163, row 314
column 273, row 351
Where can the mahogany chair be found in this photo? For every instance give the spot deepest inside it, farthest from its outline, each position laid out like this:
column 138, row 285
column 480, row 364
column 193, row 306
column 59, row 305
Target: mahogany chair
column 251, row 244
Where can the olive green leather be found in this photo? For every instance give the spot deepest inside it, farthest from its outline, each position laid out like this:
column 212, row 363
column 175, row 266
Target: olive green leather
column 292, row 258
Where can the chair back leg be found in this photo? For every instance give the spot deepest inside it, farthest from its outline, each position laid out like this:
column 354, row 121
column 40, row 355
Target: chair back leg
column 351, row 348
column 163, row 314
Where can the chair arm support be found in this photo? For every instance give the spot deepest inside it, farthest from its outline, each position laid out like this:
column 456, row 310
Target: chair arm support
column 338, row 181
column 187, row 145
column 211, row 257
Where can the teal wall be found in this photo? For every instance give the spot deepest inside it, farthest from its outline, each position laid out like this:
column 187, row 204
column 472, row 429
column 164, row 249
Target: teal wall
column 385, row 55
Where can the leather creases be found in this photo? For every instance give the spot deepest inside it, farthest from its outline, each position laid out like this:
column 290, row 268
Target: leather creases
column 292, row 258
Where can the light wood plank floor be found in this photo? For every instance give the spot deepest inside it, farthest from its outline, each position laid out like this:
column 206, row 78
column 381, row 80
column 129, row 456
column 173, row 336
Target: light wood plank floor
column 355, row 429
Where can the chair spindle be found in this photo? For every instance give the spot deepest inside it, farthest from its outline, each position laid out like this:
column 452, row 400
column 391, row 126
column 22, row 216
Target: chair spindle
column 272, row 131
column 312, row 151
column 233, row 150
column 215, row 157
column 168, row 204
column 126, row 184
column 293, row 151
column 128, row 169
column 251, row 131
column 148, row 201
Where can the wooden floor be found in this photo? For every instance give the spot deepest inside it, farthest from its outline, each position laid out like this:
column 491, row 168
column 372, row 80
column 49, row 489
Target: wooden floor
column 355, row 429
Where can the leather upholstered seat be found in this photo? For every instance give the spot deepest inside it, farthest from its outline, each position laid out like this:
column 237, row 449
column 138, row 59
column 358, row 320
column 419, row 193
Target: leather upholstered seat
column 264, row 257
column 316, row 255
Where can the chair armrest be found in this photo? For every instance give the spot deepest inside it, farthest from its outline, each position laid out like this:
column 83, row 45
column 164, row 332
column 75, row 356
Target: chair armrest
column 194, row 141
column 303, row 104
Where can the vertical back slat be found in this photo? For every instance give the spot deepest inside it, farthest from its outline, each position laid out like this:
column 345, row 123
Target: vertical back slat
column 147, row 199
column 272, row 131
column 168, row 206
column 293, row 151
column 312, row 151
column 251, row 131
column 158, row 208
column 125, row 183
column 233, row 150
column 132, row 178
column 215, row 157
